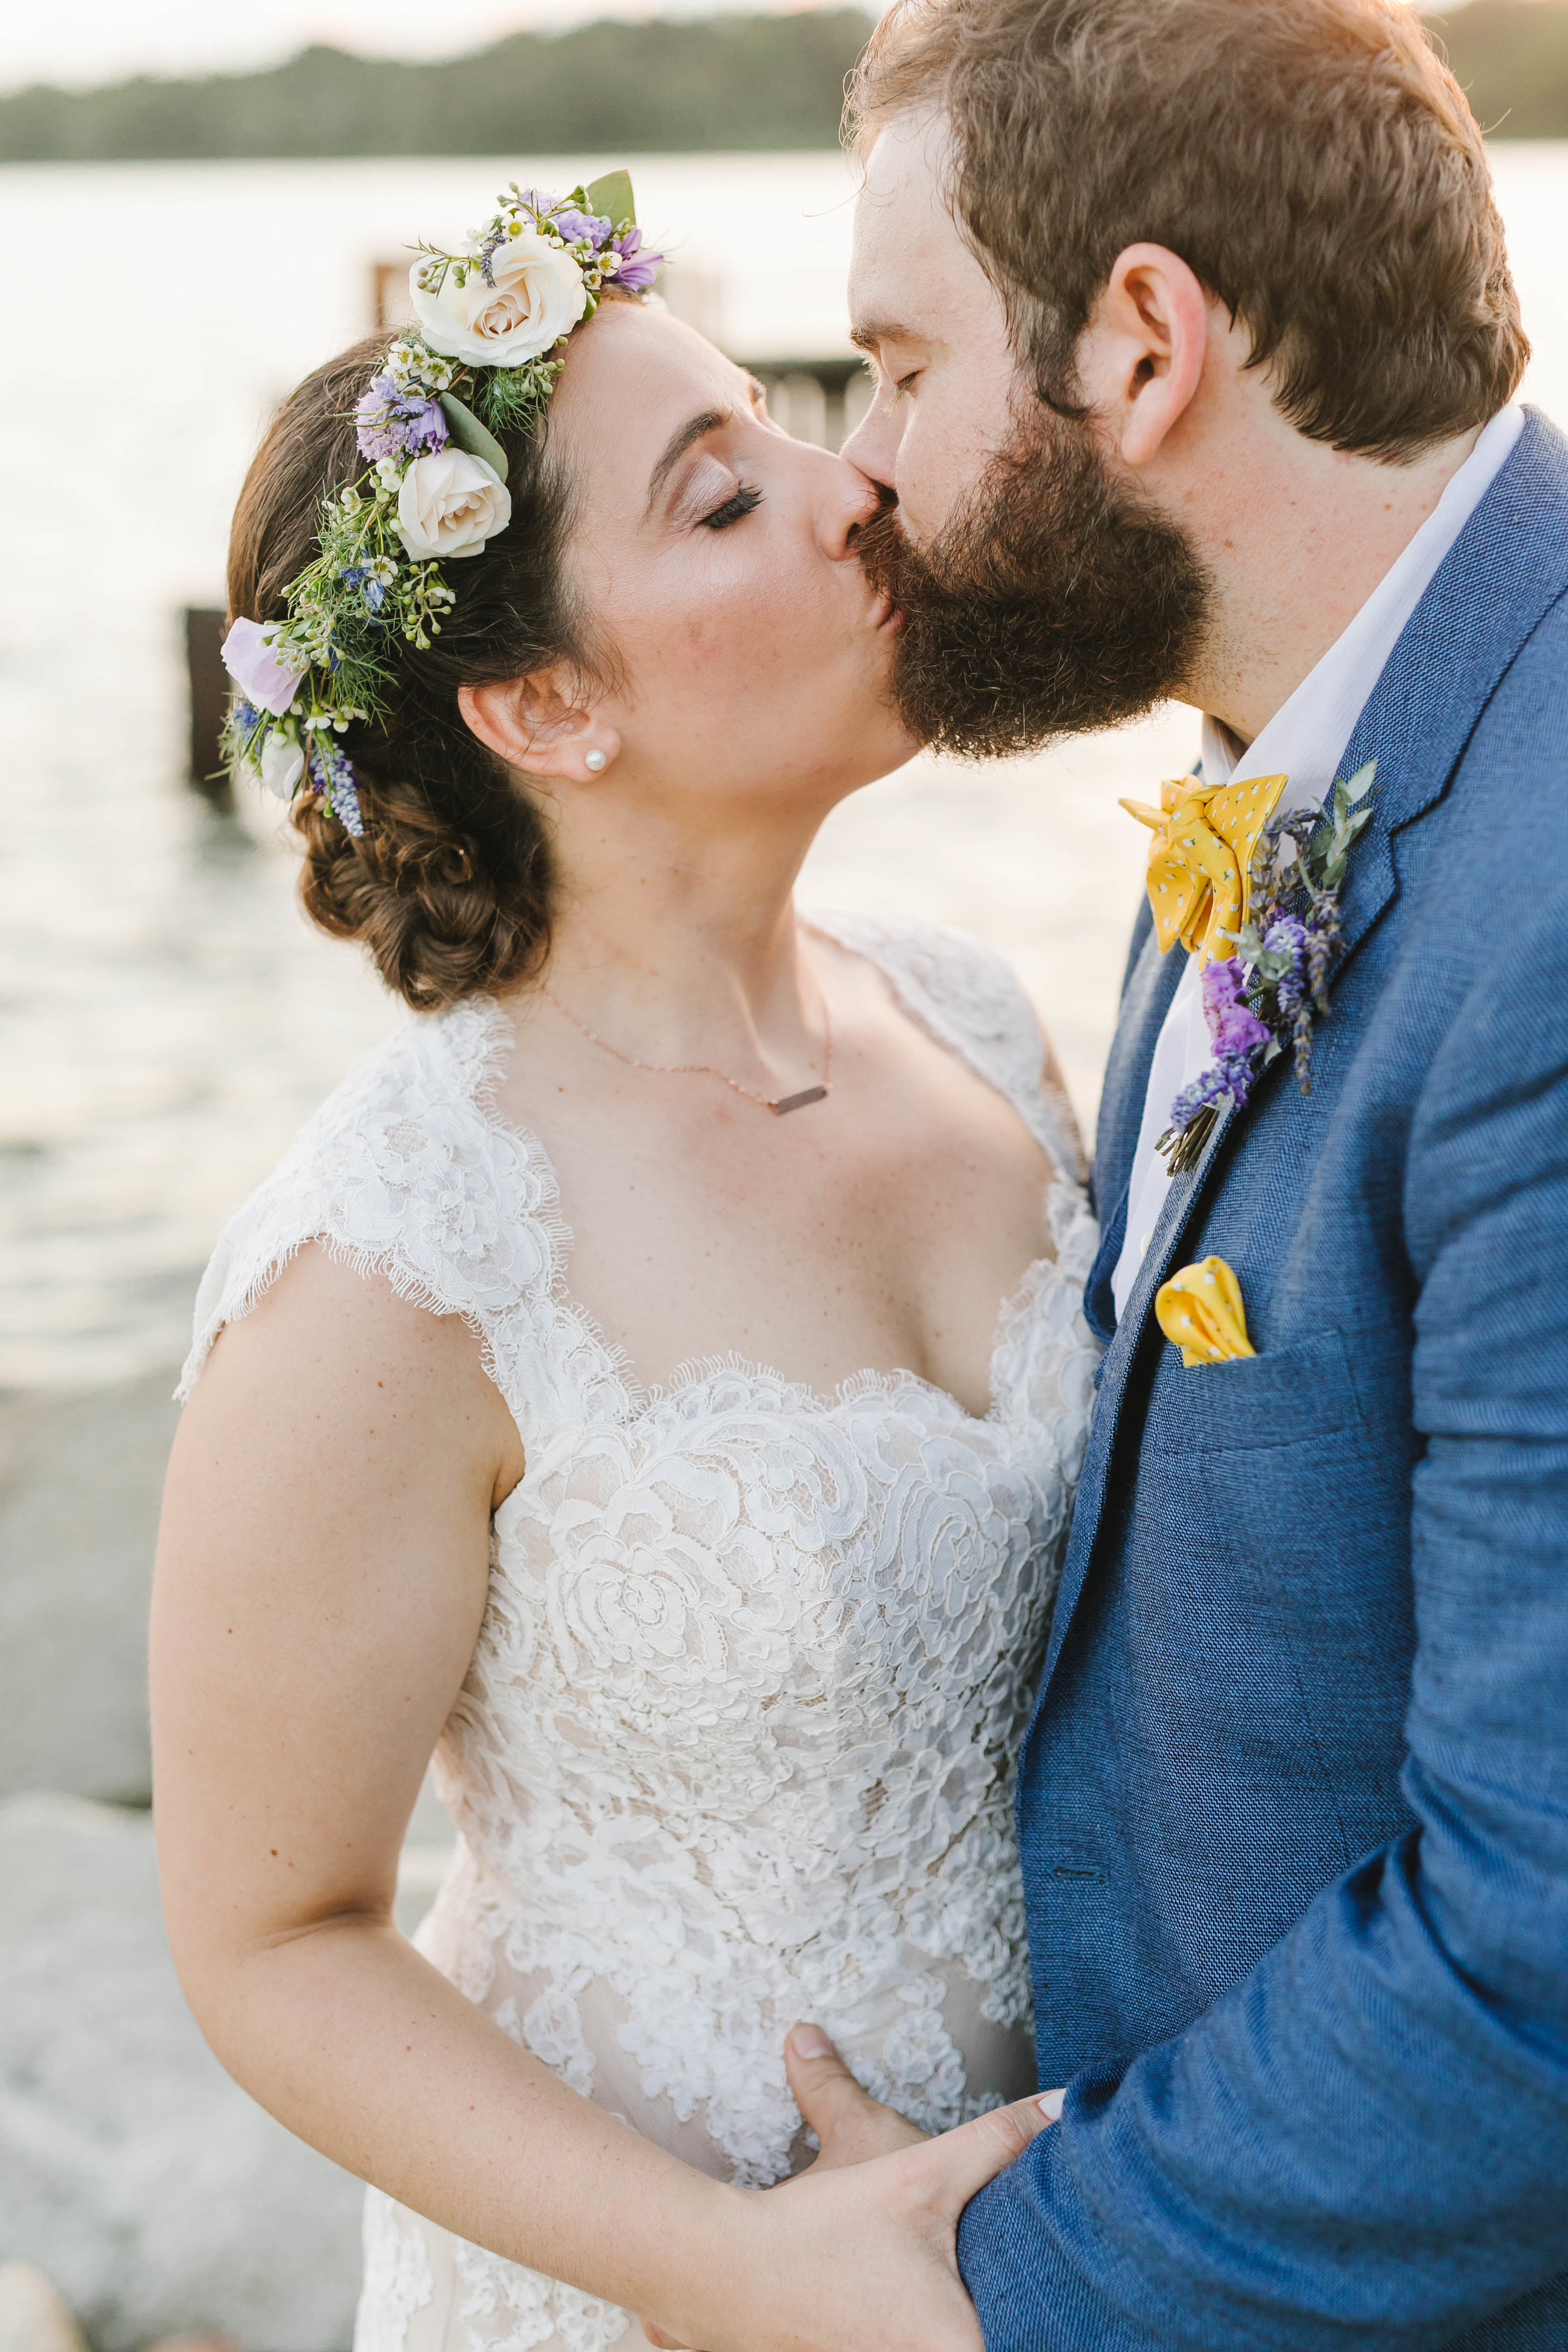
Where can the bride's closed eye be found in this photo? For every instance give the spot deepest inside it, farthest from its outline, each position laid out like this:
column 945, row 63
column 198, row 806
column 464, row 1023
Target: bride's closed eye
column 742, row 501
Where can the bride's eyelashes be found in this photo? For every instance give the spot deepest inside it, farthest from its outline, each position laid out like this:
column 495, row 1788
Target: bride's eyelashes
column 742, row 501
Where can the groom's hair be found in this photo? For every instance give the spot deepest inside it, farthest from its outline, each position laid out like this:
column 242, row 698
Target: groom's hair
column 1312, row 162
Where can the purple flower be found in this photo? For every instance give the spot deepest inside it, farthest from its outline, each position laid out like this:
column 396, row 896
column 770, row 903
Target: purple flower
column 638, row 266
column 1287, row 936
column 1236, row 1031
column 332, row 773
column 394, row 425
column 575, row 225
column 248, row 658
column 1211, row 1086
column 361, row 576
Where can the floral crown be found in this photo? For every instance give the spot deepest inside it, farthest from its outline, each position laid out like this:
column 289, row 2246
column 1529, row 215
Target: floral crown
column 489, row 320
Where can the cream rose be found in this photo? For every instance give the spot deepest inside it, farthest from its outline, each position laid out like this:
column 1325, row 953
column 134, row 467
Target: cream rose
column 538, row 293
column 282, row 765
column 450, row 505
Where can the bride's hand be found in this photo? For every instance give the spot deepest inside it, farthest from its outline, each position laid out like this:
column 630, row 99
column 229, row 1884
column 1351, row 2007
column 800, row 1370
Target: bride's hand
column 865, row 2261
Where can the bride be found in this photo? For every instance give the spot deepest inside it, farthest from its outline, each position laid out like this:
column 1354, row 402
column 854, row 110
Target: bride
column 653, row 1382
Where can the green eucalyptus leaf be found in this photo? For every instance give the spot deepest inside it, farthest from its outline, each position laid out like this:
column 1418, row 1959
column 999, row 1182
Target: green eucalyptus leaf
column 469, row 434
column 612, row 196
column 1360, row 783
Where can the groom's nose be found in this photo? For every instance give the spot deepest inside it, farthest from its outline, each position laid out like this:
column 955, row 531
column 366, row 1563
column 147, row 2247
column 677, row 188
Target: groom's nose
column 873, row 447
column 847, row 502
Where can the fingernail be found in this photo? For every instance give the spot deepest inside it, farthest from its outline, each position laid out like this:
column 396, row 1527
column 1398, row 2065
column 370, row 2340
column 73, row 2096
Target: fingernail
column 810, row 2042
column 1050, row 2105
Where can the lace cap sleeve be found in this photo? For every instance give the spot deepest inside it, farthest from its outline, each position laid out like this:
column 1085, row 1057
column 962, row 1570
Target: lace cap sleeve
column 968, row 995
column 399, row 1173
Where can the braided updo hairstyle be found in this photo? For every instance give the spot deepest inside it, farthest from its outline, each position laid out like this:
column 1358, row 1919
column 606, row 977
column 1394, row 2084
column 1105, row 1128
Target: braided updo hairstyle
column 450, row 889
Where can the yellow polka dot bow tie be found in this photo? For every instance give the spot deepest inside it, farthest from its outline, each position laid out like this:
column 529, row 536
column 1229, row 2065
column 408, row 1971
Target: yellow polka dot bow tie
column 1199, row 859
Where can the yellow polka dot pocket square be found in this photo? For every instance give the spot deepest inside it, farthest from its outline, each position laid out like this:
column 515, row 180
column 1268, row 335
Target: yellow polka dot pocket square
column 1200, row 1311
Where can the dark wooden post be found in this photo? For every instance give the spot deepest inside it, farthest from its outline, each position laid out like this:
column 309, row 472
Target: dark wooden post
column 209, row 685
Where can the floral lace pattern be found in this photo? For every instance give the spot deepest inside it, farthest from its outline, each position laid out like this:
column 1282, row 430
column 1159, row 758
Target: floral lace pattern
column 735, row 1745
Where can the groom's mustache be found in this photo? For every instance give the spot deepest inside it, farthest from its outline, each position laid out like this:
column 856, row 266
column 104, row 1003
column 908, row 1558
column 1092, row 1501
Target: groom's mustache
column 1055, row 601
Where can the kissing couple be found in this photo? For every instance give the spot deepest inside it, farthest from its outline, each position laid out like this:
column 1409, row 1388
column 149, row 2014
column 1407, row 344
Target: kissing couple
column 1009, row 1739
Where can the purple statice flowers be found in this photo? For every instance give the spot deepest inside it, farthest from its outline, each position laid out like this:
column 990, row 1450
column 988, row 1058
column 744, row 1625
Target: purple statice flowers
column 575, row 225
column 1239, row 1036
column 395, row 423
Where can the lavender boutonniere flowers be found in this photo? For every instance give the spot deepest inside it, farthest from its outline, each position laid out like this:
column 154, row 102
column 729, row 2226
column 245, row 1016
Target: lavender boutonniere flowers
column 1270, row 993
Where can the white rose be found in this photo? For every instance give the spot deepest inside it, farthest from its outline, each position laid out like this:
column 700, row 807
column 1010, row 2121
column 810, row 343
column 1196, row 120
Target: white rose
column 450, row 504
column 282, row 765
column 537, row 295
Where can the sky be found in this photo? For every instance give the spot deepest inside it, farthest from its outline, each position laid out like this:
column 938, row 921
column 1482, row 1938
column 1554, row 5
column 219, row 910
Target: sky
column 80, row 42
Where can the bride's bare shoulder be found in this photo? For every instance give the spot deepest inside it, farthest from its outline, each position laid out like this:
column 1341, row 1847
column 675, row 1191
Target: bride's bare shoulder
column 333, row 1360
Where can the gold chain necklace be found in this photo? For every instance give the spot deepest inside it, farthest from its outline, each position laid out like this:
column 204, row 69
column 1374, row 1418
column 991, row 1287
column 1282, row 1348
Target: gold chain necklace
column 779, row 1106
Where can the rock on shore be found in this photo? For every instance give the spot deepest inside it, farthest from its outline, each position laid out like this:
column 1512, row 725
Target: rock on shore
column 161, row 2199
column 79, row 1481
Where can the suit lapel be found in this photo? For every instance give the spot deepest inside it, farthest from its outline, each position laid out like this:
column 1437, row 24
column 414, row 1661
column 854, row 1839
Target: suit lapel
column 1505, row 570
column 1176, row 1215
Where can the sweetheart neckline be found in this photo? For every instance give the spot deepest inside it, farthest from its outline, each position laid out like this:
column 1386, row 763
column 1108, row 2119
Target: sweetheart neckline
column 691, row 1374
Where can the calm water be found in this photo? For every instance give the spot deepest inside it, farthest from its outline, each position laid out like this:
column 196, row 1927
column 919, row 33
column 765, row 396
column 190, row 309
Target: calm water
column 166, row 1018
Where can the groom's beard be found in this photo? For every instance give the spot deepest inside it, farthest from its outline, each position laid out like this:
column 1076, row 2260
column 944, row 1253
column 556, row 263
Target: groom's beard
column 1055, row 601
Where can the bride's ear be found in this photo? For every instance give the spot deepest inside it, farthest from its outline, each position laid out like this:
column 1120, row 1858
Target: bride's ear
column 541, row 724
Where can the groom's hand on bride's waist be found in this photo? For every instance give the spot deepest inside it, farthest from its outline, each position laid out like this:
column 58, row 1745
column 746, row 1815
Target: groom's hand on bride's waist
column 851, row 2125
column 864, row 2261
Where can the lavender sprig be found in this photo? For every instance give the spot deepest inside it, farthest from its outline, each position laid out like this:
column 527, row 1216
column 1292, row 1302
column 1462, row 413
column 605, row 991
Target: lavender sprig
column 332, row 774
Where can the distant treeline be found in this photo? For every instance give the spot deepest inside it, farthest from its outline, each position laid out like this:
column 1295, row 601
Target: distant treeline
column 721, row 83
column 1511, row 59
column 608, row 88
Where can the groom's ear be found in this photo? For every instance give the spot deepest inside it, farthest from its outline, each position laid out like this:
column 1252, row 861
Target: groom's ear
column 1141, row 358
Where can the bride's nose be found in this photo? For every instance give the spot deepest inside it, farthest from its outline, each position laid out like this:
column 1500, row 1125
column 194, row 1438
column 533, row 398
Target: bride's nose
column 845, row 502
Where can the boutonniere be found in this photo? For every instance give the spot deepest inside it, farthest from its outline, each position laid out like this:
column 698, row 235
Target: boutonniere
column 1267, row 994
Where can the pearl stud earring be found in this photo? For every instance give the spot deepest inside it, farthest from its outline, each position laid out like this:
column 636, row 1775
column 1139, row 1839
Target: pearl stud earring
column 593, row 760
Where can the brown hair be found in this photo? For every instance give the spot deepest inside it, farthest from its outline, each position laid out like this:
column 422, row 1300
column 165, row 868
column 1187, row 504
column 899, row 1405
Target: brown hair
column 1312, row 161
column 450, row 887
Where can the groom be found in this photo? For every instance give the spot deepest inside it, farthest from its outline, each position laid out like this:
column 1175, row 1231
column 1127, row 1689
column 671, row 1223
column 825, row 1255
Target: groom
column 1200, row 345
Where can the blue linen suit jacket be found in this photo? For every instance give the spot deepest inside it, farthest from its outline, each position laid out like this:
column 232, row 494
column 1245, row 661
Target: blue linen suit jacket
column 1294, row 1803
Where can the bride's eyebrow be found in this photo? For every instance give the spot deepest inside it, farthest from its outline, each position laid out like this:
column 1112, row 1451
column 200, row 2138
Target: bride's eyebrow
column 680, row 441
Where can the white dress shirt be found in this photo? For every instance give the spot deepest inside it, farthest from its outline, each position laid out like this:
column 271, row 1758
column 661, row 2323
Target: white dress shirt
column 1305, row 741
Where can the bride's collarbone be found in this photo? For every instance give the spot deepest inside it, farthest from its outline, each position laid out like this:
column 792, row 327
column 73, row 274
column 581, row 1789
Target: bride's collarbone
column 880, row 1230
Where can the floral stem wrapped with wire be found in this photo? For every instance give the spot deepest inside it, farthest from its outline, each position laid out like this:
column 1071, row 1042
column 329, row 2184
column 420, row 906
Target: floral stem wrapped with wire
column 481, row 360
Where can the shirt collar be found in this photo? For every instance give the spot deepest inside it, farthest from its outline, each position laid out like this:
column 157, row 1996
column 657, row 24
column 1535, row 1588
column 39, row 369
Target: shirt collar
column 1306, row 738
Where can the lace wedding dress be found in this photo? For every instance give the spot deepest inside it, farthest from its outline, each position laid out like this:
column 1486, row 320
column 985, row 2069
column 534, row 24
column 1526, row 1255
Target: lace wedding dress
column 735, row 1748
